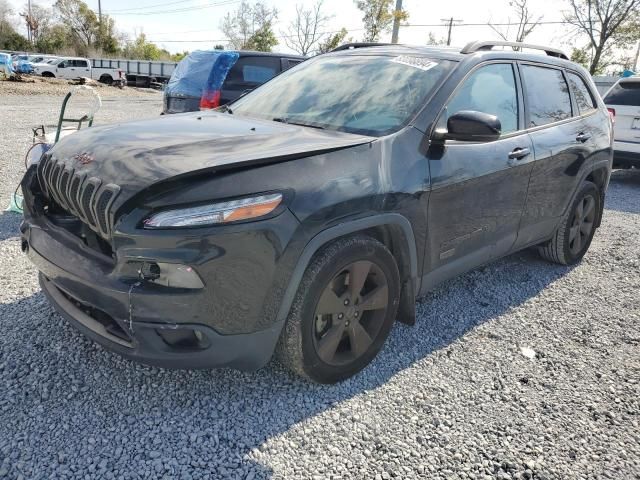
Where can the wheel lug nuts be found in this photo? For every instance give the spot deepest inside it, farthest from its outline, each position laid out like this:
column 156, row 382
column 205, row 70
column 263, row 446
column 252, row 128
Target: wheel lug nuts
column 346, row 302
column 356, row 314
column 340, row 315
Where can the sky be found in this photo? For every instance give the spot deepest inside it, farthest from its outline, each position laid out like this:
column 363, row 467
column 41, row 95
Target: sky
column 180, row 25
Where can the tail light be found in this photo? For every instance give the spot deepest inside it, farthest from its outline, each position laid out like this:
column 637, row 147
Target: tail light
column 210, row 99
column 612, row 114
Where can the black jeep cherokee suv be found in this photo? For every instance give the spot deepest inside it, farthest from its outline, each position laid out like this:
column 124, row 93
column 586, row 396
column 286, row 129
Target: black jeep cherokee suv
column 306, row 217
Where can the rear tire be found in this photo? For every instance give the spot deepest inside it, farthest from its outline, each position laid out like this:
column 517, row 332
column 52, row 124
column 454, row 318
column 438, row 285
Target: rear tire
column 572, row 239
column 343, row 311
column 106, row 79
column 48, row 75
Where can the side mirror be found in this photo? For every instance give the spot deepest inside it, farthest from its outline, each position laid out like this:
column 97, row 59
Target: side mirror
column 471, row 126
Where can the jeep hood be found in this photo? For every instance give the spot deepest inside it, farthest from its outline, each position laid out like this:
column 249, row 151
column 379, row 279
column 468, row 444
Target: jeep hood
column 136, row 155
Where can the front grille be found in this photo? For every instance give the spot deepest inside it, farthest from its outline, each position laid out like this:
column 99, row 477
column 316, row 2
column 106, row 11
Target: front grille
column 82, row 196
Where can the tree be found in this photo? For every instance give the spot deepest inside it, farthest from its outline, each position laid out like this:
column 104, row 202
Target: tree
column 581, row 56
column 81, row 21
column 432, row 40
column 5, row 18
column 142, row 49
column 305, row 30
column 176, row 57
column 333, row 41
column 608, row 25
column 525, row 22
column 106, row 38
column 9, row 38
column 246, row 21
column 378, row 17
column 54, row 39
column 263, row 40
column 39, row 21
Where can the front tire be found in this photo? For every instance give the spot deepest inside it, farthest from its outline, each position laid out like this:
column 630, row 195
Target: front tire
column 572, row 239
column 343, row 311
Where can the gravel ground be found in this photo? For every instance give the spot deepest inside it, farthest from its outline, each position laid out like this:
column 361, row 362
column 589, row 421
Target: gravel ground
column 452, row 397
column 33, row 85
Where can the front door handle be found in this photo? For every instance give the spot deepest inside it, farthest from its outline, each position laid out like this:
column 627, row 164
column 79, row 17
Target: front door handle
column 519, row 153
column 583, row 137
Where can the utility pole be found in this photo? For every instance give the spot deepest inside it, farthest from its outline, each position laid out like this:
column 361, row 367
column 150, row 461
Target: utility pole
column 450, row 22
column 100, row 23
column 635, row 63
column 396, row 22
column 29, row 33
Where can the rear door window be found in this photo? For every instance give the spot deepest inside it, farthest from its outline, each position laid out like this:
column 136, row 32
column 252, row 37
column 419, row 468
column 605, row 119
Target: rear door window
column 490, row 89
column 80, row 63
column 547, row 94
column 624, row 93
column 253, row 71
column 582, row 94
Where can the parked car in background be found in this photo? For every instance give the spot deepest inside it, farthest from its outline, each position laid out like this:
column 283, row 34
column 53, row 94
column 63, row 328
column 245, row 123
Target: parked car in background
column 305, row 218
column 209, row 79
column 72, row 68
column 623, row 102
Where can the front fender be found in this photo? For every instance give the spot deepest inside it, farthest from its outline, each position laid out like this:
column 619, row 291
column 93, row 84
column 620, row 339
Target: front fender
column 347, row 228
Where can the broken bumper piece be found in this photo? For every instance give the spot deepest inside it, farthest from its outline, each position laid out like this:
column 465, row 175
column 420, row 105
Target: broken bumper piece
column 101, row 307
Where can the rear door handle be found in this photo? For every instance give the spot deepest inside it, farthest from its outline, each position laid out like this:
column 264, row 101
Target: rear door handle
column 583, row 137
column 519, row 153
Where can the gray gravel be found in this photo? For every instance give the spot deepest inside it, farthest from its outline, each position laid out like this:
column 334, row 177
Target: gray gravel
column 453, row 397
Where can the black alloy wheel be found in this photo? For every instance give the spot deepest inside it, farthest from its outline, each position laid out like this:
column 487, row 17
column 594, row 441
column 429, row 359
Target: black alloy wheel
column 350, row 313
column 582, row 225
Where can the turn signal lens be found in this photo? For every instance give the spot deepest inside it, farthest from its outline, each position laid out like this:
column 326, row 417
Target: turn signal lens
column 216, row 213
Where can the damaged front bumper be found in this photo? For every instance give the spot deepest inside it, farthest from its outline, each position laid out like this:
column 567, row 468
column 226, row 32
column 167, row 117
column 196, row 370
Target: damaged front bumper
column 140, row 320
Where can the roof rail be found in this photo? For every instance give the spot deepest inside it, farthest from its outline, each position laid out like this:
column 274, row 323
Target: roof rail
column 351, row 46
column 488, row 45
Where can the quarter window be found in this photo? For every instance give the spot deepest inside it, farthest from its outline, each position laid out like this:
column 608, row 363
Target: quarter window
column 547, row 94
column 490, row 89
column 581, row 92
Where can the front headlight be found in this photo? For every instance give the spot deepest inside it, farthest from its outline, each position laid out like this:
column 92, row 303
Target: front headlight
column 216, row 213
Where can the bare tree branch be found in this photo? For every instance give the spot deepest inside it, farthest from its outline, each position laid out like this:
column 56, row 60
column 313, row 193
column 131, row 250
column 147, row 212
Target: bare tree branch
column 607, row 24
column 526, row 22
column 304, row 34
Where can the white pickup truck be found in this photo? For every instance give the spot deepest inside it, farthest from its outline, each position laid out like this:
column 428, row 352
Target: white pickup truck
column 71, row 68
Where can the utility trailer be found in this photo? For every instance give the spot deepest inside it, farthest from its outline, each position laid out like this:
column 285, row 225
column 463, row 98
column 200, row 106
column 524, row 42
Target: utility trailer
column 139, row 73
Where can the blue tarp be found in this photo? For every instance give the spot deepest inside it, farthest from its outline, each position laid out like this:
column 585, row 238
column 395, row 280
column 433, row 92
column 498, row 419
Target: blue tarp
column 24, row 66
column 200, row 71
column 6, row 65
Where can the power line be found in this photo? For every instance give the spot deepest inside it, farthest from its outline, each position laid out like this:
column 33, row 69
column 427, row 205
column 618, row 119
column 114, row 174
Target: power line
column 486, row 24
column 177, row 10
column 226, row 39
column 148, row 6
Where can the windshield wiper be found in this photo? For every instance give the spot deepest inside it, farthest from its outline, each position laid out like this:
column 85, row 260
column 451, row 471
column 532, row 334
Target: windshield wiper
column 302, row 124
column 225, row 108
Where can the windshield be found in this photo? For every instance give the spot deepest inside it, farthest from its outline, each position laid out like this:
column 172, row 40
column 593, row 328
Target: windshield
column 371, row 95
